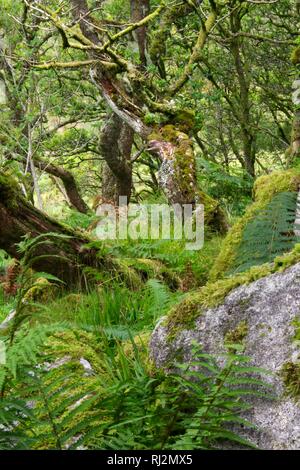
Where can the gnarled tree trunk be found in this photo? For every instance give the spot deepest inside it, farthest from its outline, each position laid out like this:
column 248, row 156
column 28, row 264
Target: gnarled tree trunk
column 74, row 197
column 295, row 137
column 62, row 257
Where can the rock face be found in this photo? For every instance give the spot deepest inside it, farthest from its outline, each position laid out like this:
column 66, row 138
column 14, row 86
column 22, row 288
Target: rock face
column 270, row 307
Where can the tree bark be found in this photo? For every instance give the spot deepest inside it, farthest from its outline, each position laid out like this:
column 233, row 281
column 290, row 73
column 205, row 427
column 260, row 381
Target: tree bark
column 295, row 145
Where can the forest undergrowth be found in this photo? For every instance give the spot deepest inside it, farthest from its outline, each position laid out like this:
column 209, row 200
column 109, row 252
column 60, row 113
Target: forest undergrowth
column 78, row 372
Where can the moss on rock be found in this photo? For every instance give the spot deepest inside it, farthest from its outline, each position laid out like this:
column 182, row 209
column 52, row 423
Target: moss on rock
column 183, row 315
column 265, row 188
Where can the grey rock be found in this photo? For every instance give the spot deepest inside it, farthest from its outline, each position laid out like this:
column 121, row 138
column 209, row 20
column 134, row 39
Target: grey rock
column 269, row 307
column 57, row 363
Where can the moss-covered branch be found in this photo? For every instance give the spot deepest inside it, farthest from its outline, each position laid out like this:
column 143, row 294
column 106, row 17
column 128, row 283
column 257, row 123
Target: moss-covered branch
column 196, row 53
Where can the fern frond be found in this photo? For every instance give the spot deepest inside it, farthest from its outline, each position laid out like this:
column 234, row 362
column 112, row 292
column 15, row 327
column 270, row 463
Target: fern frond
column 160, row 297
column 28, row 345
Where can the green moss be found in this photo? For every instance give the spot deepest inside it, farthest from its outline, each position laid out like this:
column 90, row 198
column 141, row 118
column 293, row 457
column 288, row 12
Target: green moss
column 41, row 291
column 68, row 379
column 182, row 155
column 185, row 166
column 183, row 315
column 264, row 329
column 184, row 161
column 238, row 335
column 265, row 189
column 243, row 303
column 184, row 120
column 295, row 132
column 290, row 374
